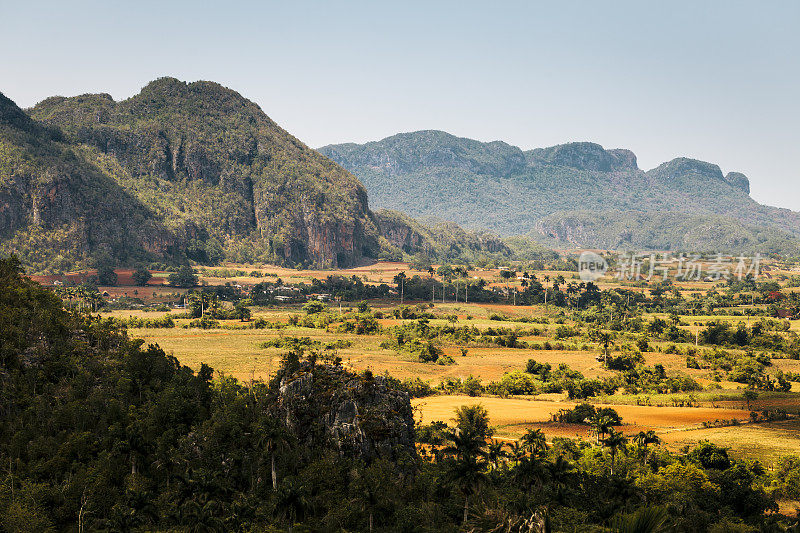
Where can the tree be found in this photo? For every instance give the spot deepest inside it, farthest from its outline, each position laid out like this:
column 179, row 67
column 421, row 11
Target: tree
column 292, row 501
column 750, row 396
column 469, row 443
column 507, row 275
column 534, row 442
column 106, row 276
column 242, row 310
column 605, row 339
column 313, row 307
column 141, row 276
column 645, row 438
column 400, row 280
column 496, row 452
column 614, row 442
column 601, row 424
column 184, row 277
column 372, row 488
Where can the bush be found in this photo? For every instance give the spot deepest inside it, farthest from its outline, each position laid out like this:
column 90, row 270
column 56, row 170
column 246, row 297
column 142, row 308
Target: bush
column 184, row 277
column 141, row 276
column 313, row 307
column 584, row 412
column 106, row 276
column 514, row 383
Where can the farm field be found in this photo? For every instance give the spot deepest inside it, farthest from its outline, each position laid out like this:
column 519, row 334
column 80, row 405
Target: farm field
column 680, row 418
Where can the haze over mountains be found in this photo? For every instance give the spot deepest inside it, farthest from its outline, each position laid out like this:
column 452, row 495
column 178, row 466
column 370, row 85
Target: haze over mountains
column 576, row 194
column 195, row 171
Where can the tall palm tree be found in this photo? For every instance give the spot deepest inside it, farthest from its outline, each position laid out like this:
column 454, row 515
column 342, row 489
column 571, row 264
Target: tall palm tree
column 601, row 425
column 645, row 438
column 467, row 473
column 507, row 275
column 558, row 471
column 469, row 448
column 516, row 452
column 496, row 452
column 292, row 501
column 534, row 442
column 614, row 442
column 605, row 339
column 275, row 439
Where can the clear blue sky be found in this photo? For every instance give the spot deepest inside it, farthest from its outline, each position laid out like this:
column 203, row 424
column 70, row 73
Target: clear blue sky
column 718, row 81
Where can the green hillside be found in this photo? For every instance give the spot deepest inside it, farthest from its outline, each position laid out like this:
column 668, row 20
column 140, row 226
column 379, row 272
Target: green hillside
column 189, row 171
column 221, row 176
column 498, row 187
column 59, row 209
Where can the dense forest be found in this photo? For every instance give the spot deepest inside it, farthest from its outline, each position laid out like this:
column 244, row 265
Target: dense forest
column 99, row 432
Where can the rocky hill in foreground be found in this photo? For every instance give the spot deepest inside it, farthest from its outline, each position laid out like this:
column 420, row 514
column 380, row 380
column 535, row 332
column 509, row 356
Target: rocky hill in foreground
column 554, row 193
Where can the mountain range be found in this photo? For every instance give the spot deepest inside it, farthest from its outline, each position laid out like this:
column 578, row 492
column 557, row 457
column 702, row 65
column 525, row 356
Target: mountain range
column 196, row 172
column 187, row 171
column 576, row 194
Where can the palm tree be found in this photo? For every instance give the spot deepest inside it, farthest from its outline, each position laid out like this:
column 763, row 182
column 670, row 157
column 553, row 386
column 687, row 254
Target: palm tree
column 606, row 339
column 601, row 425
column 469, row 443
column 614, row 442
column 507, row 275
column 496, row 452
column 291, row 501
column 530, row 471
column 558, row 471
column 517, row 452
column 467, row 473
column 534, row 441
column 275, row 439
column 372, row 488
column 400, row 279
column 644, row 520
column 645, row 438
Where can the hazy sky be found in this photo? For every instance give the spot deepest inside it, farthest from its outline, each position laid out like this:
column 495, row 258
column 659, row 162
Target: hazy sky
column 718, row 81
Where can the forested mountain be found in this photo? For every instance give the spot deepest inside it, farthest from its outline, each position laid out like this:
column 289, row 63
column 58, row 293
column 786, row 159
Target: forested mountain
column 445, row 242
column 185, row 171
column 217, row 176
column 58, row 208
column 500, row 188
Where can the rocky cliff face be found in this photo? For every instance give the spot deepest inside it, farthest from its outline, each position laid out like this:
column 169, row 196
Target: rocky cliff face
column 358, row 415
column 438, row 239
column 488, row 186
column 584, row 156
column 401, row 231
column 738, row 180
column 205, row 157
column 59, row 210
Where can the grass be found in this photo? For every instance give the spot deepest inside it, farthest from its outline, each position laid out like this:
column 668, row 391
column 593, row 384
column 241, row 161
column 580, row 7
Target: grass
column 237, row 352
